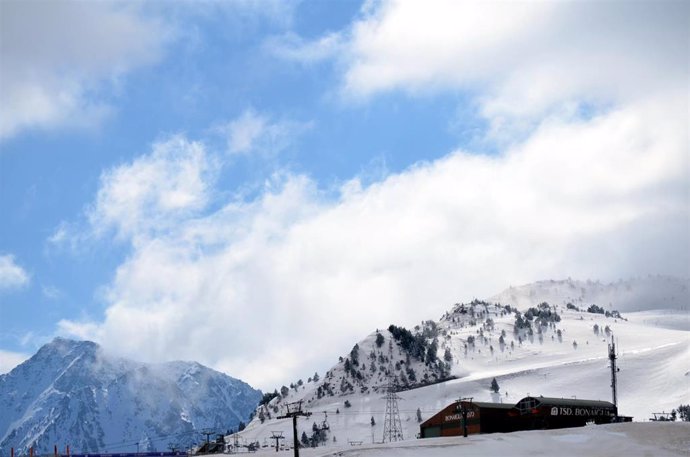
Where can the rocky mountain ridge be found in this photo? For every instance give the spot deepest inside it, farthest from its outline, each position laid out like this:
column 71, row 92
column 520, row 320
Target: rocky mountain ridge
column 73, row 393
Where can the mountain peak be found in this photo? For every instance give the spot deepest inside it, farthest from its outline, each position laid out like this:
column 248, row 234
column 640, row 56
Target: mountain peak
column 62, row 342
column 63, row 347
column 67, row 383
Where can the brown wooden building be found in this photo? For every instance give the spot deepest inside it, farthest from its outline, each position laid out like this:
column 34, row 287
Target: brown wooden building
column 481, row 418
column 535, row 413
column 530, row 413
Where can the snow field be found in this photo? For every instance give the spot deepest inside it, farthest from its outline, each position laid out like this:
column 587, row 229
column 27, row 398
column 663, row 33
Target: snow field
column 654, row 376
column 651, row 439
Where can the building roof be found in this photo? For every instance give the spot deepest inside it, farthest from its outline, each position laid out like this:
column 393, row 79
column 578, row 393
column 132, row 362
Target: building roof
column 572, row 402
column 485, row 404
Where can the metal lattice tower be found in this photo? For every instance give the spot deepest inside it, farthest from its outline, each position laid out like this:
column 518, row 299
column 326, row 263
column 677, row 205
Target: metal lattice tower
column 392, row 427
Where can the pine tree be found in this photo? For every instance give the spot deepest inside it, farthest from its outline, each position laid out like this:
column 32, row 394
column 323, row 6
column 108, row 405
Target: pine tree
column 354, row 354
column 419, row 415
column 373, row 422
column 379, row 340
column 494, row 386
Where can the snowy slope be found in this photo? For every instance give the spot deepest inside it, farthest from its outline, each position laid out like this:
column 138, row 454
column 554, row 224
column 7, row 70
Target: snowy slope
column 71, row 393
column 653, row 359
column 669, row 439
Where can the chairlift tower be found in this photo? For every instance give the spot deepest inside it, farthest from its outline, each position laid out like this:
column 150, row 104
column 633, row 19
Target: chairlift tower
column 277, row 436
column 294, row 410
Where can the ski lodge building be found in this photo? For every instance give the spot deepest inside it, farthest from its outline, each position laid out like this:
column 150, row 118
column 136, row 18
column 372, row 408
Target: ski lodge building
column 530, row 413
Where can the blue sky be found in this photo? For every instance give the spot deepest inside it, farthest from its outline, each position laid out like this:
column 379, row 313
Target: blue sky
column 175, row 171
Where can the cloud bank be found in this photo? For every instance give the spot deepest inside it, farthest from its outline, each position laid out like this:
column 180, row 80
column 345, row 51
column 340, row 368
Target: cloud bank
column 261, row 288
column 270, row 288
column 60, row 60
column 522, row 57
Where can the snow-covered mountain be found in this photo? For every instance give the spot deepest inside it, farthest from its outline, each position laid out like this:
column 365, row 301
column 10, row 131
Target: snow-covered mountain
column 557, row 350
column 72, row 393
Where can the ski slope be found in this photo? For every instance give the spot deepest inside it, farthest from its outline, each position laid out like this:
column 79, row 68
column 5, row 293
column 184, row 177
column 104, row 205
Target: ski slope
column 653, row 357
column 614, row 440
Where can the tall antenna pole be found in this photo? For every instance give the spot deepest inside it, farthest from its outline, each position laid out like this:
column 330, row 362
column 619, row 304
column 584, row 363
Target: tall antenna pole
column 614, row 370
column 392, row 427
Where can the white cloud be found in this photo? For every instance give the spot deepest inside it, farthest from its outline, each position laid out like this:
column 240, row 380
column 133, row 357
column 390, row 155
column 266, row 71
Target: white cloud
column 152, row 191
column 9, row 360
column 255, row 133
column 273, row 288
column 12, row 276
column 521, row 61
column 59, row 57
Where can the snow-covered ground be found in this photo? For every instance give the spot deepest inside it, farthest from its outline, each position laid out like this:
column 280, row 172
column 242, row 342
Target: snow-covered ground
column 653, row 357
column 653, row 439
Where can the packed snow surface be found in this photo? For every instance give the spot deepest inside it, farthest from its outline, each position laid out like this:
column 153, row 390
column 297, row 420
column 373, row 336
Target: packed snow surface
column 650, row 439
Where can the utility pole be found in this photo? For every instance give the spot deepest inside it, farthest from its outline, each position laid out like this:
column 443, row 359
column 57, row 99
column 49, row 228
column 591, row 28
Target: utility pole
column 614, row 371
column 294, row 410
column 277, row 436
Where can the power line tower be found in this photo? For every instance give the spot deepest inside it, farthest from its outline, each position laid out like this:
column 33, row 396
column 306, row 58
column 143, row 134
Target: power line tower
column 614, row 371
column 294, row 410
column 392, row 427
